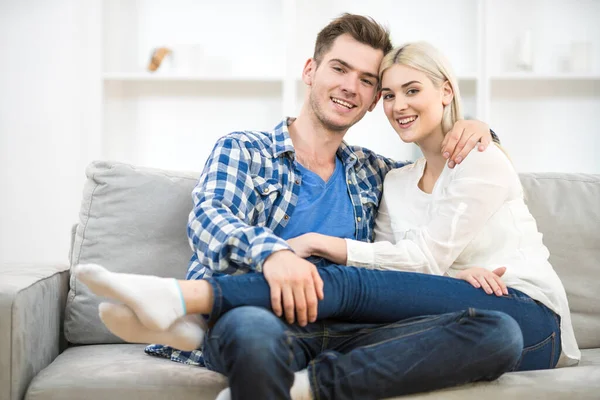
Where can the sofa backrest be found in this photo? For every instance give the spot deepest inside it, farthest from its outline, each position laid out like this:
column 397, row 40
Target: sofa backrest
column 134, row 220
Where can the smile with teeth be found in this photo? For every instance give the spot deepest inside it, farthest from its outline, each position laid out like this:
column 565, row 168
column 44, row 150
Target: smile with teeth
column 342, row 103
column 407, row 120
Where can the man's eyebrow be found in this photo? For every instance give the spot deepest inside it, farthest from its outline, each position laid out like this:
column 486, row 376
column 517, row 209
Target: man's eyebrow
column 345, row 64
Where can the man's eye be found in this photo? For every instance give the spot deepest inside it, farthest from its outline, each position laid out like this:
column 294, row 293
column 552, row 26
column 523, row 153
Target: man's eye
column 338, row 69
column 367, row 82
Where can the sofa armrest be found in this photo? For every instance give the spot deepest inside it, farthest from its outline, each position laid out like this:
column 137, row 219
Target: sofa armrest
column 32, row 304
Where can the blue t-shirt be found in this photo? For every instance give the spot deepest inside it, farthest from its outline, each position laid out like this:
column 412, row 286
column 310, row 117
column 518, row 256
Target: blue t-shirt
column 323, row 207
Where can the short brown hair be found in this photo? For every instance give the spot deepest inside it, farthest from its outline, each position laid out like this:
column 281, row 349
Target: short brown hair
column 363, row 29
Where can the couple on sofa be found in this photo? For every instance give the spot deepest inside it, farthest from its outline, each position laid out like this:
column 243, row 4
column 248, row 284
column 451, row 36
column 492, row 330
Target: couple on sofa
column 455, row 288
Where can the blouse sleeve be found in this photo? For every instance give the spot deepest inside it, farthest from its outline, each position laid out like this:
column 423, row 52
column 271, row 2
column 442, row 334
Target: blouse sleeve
column 476, row 189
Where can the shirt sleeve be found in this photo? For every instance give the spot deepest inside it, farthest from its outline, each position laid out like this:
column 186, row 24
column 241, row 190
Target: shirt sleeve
column 220, row 231
column 476, row 189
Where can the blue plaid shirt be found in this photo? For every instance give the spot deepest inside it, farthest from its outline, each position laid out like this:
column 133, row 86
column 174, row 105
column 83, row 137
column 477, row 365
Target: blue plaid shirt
column 247, row 194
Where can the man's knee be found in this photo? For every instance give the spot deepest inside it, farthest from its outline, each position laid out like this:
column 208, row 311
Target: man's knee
column 251, row 334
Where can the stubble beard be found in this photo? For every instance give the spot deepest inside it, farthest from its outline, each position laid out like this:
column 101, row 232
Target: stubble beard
column 322, row 118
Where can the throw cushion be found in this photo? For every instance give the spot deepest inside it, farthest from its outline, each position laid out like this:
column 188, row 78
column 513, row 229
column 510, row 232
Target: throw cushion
column 132, row 220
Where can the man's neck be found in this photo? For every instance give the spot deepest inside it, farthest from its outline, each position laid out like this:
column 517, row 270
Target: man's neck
column 313, row 143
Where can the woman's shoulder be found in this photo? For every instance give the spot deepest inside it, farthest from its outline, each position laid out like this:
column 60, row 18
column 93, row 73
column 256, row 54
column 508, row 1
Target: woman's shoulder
column 493, row 162
column 408, row 169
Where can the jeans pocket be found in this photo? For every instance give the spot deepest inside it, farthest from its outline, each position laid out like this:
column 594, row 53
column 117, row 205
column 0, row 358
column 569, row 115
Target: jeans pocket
column 538, row 356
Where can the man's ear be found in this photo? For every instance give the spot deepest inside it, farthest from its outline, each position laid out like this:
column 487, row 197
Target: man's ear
column 308, row 73
column 447, row 93
column 377, row 97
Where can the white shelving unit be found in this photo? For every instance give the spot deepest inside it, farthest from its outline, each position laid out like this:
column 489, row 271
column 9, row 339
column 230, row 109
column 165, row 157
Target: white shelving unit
column 237, row 65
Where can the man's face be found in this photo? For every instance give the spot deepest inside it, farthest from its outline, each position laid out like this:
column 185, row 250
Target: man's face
column 343, row 86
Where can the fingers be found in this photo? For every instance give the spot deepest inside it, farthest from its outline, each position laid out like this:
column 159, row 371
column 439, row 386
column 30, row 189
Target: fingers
column 311, row 303
column 449, row 143
column 499, row 271
column 318, row 284
column 276, row 299
column 288, row 304
column 484, row 142
column 484, row 284
column 491, row 280
column 467, row 142
column 473, row 281
column 501, row 284
column 300, row 305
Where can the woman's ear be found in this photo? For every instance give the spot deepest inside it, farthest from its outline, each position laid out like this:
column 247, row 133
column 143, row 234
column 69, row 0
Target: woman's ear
column 447, row 93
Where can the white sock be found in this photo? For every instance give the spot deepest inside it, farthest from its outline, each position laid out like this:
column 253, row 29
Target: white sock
column 157, row 302
column 300, row 389
column 186, row 333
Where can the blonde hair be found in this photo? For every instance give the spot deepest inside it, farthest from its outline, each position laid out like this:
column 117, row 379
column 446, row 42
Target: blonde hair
column 423, row 57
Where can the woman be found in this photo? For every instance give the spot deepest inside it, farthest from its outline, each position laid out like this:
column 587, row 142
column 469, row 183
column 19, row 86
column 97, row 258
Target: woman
column 475, row 216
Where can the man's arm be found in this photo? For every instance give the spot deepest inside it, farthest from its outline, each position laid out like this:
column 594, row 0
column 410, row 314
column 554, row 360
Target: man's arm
column 223, row 238
column 219, row 226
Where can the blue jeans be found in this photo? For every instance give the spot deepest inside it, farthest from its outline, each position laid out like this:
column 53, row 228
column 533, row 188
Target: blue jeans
column 402, row 333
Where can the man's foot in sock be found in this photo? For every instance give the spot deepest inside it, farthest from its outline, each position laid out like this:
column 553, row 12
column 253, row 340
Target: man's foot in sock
column 157, row 302
column 186, row 333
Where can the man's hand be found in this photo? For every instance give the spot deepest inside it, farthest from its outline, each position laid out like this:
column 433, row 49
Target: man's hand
column 490, row 281
column 295, row 286
column 462, row 138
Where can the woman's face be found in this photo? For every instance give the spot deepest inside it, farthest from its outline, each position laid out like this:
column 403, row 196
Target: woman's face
column 412, row 104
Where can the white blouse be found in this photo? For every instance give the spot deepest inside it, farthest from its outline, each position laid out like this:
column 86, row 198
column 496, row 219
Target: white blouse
column 474, row 217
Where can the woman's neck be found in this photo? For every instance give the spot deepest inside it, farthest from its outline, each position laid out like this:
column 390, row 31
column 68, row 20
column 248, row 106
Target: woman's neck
column 431, row 147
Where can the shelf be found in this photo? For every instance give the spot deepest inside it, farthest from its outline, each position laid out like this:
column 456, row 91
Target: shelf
column 532, row 76
column 172, row 77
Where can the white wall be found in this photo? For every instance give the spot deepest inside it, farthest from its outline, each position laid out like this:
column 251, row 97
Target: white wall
column 57, row 114
column 47, row 93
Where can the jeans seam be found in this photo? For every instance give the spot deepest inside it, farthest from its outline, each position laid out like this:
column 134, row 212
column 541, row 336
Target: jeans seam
column 526, row 350
column 383, row 326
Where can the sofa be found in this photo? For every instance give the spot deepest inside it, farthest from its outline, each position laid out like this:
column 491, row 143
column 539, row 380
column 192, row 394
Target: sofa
column 133, row 219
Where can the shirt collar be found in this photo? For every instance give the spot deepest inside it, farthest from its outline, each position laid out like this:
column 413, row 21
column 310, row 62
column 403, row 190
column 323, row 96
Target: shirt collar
column 282, row 144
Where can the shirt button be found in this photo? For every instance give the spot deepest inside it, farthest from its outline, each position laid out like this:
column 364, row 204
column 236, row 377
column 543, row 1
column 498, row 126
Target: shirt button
column 265, row 190
column 358, row 219
column 297, row 181
column 249, row 261
column 349, row 182
column 286, row 217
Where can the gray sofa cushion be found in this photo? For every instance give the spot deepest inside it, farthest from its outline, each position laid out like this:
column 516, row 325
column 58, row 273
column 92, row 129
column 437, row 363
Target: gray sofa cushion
column 124, row 372
column 567, row 210
column 133, row 220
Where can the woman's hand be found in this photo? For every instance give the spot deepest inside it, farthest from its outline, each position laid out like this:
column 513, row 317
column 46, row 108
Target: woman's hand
column 303, row 245
column 490, row 281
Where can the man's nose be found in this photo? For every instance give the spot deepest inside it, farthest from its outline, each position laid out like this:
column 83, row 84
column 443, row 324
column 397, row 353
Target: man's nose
column 350, row 84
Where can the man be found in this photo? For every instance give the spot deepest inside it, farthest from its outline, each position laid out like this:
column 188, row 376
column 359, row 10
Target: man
column 259, row 189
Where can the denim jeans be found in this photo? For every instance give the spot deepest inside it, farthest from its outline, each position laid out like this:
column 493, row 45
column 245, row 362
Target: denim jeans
column 401, row 333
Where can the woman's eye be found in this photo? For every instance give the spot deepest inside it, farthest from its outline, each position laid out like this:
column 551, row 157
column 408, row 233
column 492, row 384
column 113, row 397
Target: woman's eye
column 388, row 96
column 412, row 91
